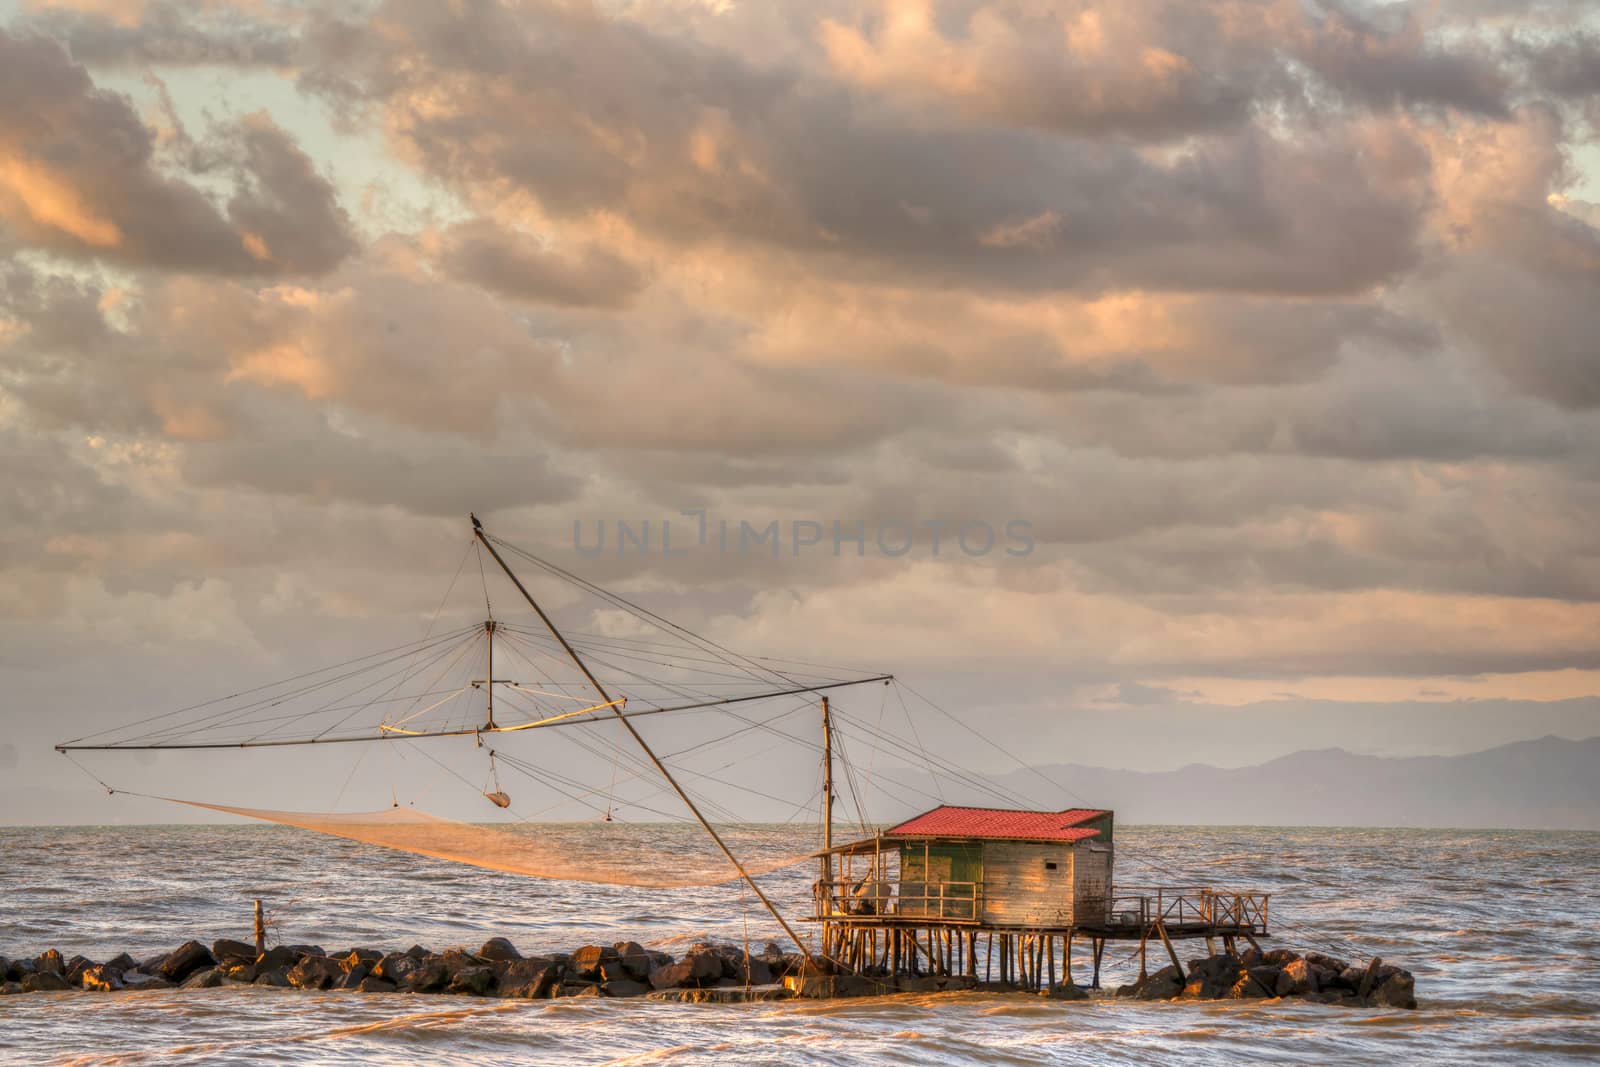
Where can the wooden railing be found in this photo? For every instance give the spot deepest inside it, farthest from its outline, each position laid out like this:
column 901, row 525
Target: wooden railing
column 1184, row 906
column 923, row 900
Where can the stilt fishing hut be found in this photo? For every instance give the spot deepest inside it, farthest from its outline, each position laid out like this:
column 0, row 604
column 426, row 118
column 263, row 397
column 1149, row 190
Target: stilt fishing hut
column 1000, row 895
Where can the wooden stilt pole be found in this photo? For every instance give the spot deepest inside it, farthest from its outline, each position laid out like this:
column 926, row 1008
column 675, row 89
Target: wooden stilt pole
column 1161, row 928
column 261, row 929
column 1099, row 950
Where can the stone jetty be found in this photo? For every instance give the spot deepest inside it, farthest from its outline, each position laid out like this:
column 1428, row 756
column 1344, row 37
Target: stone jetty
column 1281, row 973
column 704, row 973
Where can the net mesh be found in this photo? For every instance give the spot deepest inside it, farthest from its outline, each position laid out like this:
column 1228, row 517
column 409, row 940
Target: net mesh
column 525, row 853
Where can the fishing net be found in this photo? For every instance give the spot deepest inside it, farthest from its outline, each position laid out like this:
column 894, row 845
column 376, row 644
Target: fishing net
column 512, row 851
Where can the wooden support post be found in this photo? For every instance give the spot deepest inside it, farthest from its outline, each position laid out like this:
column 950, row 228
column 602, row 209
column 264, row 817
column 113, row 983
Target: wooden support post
column 1066, row 963
column 1211, row 945
column 1099, row 950
column 1050, row 954
column 261, row 929
column 1161, row 928
column 1142, row 939
column 988, row 961
column 1227, row 945
column 1253, row 943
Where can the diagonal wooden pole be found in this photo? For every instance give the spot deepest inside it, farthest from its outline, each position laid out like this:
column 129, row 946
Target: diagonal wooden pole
column 478, row 532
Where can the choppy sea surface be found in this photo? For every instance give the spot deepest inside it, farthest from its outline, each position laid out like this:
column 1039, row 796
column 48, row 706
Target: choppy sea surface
column 1501, row 928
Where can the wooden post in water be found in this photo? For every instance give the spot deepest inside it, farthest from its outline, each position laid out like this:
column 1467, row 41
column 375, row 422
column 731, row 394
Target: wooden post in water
column 261, row 929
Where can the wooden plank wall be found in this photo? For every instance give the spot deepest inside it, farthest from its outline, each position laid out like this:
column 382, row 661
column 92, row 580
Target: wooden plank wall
column 1018, row 887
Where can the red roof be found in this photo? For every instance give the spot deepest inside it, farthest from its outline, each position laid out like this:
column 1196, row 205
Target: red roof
column 1001, row 823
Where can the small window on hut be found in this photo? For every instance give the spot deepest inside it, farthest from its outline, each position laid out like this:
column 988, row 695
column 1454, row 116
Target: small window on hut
column 1049, row 865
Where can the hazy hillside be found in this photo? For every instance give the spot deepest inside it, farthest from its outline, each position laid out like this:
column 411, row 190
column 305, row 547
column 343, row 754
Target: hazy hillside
column 1549, row 783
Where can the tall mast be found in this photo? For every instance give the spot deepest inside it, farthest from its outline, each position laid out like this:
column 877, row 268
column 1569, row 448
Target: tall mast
column 488, row 675
column 572, row 653
column 827, row 796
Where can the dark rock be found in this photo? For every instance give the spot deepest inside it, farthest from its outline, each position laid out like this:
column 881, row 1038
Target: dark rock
column 277, row 977
column 352, row 977
column 633, row 957
column 240, row 972
column 102, row 978
column 10, row 989
column 314, row 972
column 307, row 950
column 498, row 948
column 1297, row 978
column 19, row 969
column 1258, row 981
column 614, row 971
column 625, row 987
column 528, row 979
column 1279, row 956
column 49, row 962
column 121, row 962
column 142, row 980
column 1252, row 957
column 395, row 967
column 44, row 982
column 672, row 976
column 430, row 975
column 75, row 968
column 183, row 961
column 277, row 956
column 358, row 958
column 472, row 981
column 1161, row 985
column 1327, row 963
column 371, row 984
column 1399, row 990
column 758, row 973
column 209, row 978
column 1350, row 978
column 417, row 952
column 1068, row 991
column 579, row 989
column 586, row 961
column 226, row 950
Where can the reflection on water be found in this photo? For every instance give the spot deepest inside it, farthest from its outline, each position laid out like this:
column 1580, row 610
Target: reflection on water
column 1499, row 927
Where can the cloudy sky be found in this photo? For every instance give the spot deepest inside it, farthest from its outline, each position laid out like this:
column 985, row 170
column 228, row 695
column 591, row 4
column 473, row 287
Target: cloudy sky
column 1272, row 322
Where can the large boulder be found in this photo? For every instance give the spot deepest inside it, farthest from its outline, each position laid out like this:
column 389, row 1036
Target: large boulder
column 498, row 948
column 227, row 950
column 1068, row 991
column 395, row 967
column 1399, row 990
column 352, row 976
column 472, row 981
column 101, row 978
column 634, row 958
column 1161, row 985
column 144, row 980
column 1256, row 982
column 674, row 976
column 369, row 984
column 429, row 976
column 314, row 972
column 209, row 978
column 49, row 962
column 1297, row 978
column 529, row 979
column 183, row 961
column 44, row 982
column 624, row 987
column 277, row 956
column 1327, row 963
column 587, row 960
column 276, row 977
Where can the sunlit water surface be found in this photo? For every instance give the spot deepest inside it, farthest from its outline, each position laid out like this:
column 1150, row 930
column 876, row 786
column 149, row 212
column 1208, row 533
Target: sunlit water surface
column 1500, row 928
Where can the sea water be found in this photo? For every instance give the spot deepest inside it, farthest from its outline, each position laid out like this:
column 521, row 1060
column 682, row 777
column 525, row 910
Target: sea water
column 1501, row 929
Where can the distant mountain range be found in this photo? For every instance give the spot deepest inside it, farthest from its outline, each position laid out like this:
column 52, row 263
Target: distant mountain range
column 1550, row 783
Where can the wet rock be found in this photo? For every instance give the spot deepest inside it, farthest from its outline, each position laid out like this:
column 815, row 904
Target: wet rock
column 1256, row 982
column 625, row 987
column 19, row 970
column 75, row 968
column 579, row 989
column 1397, row 991
column 634, row 958
column 417, row 952
column 472, row 981
column 10, row 988
column 183, row 961
column 144, row 980
column 101, row 978
column 1067, row 991
column 44, row 982
column 430, row 975
column 395, row 967
column 49, row 962
column 528, row 980
column 277, row 977
column 240, row 972
column 758, row 973
column 1296, row 979
column 587, row 960
column 277, row 956
column 498, row 948
column 209, row 978
column 1327, row 963
column 226, row 950
column 352, row 977
column 370, row 984
column 314, row 972
column 1278, row 957
column 1161, row 985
